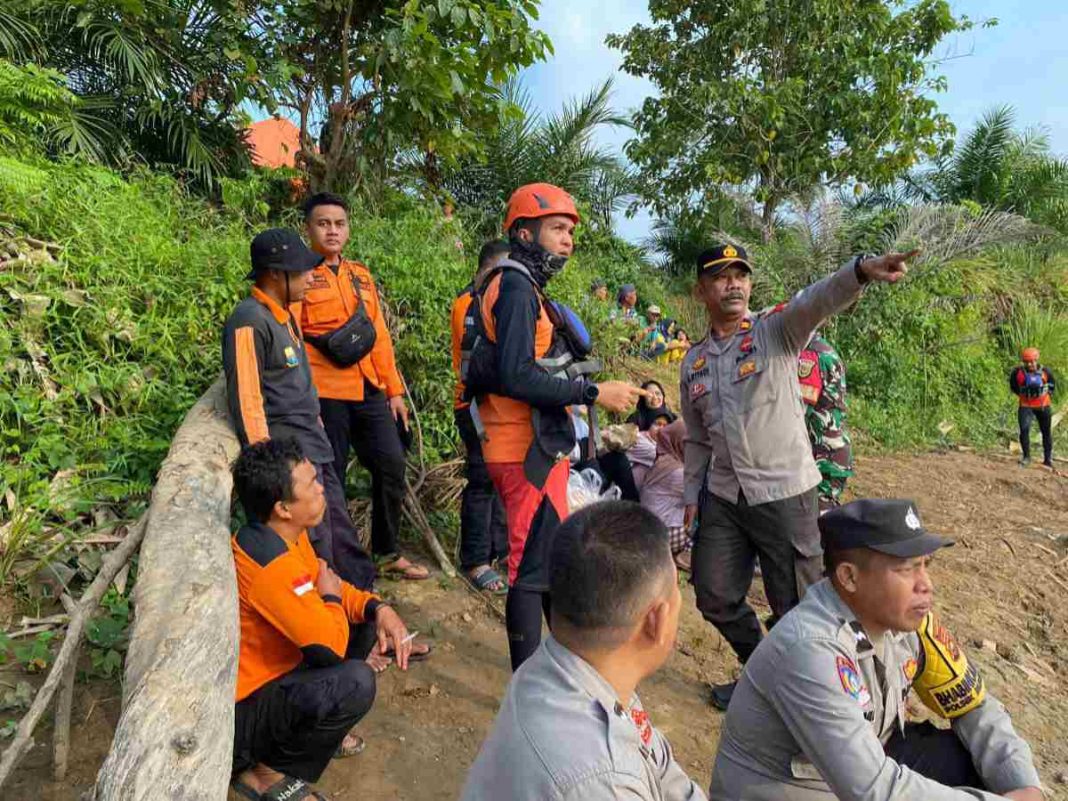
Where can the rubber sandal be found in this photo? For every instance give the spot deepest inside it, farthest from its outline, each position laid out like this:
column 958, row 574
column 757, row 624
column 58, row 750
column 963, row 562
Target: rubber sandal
column 483, row 581
column 412, row 657
column 387, row 569
column 289, row 789
column 352, row 750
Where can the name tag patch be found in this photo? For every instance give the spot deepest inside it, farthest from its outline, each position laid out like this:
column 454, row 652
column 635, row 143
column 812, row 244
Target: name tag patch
column 291, row 357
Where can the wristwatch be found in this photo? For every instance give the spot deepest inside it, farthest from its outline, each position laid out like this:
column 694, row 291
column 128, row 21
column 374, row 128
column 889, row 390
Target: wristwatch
column 590, row 393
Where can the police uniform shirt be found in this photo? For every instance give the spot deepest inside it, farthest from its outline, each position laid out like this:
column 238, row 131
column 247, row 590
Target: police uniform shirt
column 815, row 706
column 742, row 403
column 562, row 734
column 269, row 387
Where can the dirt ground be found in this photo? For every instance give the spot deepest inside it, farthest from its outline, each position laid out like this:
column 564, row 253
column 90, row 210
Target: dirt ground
column 1003, row 590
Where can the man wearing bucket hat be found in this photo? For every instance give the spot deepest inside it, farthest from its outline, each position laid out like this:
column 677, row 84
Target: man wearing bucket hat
column 1034, row 385
column 269, row 387
column 819, row 712
column 749, row 465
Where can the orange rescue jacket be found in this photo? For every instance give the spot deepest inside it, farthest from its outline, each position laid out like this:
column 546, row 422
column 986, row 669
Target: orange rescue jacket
column 328, row 304
column 284, row 621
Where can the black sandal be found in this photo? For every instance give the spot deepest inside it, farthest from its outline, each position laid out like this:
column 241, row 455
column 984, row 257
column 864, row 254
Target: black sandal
column 289, row 789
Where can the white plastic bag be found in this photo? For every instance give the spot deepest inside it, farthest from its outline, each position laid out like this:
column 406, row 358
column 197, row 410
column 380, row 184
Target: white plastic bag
column 584, row 488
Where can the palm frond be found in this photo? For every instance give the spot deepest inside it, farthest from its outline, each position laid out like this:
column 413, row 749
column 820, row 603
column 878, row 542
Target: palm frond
column 18, row 37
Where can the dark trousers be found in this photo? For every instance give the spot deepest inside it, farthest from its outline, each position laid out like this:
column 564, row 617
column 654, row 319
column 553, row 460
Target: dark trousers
column 483, row 525
column 935, row 753
column 615, row 467
column 523, row 611
column 368, row 428
column 334, row 539
column 730, row 536
column 1044, row 415
column 296, row 722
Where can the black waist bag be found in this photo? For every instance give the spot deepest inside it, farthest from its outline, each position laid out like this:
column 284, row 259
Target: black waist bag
column 348, row 344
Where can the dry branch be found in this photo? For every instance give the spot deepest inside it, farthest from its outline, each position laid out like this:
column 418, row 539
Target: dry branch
column 64, row 703
column 86, row 608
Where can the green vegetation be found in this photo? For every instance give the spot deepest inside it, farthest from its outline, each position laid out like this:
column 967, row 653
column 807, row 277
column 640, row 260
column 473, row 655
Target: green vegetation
column 782, row 98
column 127, row 204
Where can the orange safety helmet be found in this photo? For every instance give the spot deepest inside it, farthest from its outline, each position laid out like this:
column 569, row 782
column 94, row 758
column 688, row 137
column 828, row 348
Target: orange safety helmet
column 539, row 200
column 1029, row 354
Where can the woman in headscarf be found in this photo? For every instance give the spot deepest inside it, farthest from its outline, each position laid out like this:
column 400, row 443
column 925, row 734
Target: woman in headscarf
column 652, row 410
column 662, row 490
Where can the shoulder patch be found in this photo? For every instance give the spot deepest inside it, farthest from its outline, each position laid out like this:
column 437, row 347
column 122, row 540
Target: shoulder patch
column 261, row 544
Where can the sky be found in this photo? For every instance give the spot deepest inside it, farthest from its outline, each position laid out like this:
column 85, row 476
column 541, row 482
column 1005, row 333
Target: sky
column 1022, row 61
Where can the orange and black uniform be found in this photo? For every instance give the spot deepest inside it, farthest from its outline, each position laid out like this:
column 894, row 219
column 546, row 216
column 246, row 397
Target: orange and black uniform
column 532, row 483
column 352, row 399
column 483, row 526
column 270, row 395
column 302, row 681
column 1035, row 390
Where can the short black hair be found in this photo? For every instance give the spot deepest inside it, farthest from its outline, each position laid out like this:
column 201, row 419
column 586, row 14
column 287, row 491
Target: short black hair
column 609, row 560
column 491, row 252
column 832, row 557
column 324, row 199
column 263, row 475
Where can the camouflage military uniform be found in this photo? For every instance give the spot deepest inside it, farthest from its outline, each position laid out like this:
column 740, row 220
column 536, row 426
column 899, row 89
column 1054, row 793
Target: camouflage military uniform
column 823, row 388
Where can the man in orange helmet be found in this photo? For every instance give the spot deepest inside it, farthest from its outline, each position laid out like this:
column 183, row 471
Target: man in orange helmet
column 1034, row 385
column 522, row 375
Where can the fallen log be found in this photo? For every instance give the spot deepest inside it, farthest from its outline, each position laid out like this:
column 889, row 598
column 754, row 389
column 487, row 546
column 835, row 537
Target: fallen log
column 174, row 739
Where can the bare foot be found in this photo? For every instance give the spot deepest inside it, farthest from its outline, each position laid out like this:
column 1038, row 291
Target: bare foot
column 404, row 568
column 378, row 662
column 260, row 778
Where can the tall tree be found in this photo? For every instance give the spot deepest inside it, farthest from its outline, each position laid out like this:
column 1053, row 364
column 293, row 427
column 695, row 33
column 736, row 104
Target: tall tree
column 373, row 80
column 1000, row 167
column 560, row 148
column 783, row 96
column 160, row 80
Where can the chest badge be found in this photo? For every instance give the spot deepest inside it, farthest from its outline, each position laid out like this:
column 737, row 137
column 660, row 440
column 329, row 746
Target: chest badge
column 805, row 368
column 643, row 724
column 747, row 343
column 291, row 357
column 910, row 667
column 851, row 681
column 699, row 364
column 746, row 368
column 745, row 325
column 697, row 390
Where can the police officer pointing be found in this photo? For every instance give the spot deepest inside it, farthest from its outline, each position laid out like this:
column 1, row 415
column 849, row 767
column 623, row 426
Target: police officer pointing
column 819, row 712
column 748, row 458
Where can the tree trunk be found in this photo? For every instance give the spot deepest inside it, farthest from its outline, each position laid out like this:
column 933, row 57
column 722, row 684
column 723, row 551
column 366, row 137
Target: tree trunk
column 175, row 737
column 767, row 220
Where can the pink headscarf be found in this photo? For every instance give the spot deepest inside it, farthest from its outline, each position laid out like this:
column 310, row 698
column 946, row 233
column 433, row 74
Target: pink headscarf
column 670, row 443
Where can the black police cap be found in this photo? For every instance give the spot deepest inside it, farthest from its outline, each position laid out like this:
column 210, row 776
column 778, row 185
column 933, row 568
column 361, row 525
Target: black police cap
column 281, row 249
column 889, row 526
column 719, row 258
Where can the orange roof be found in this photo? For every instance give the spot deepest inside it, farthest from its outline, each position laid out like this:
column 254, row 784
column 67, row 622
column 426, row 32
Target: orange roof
column 274, row 143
